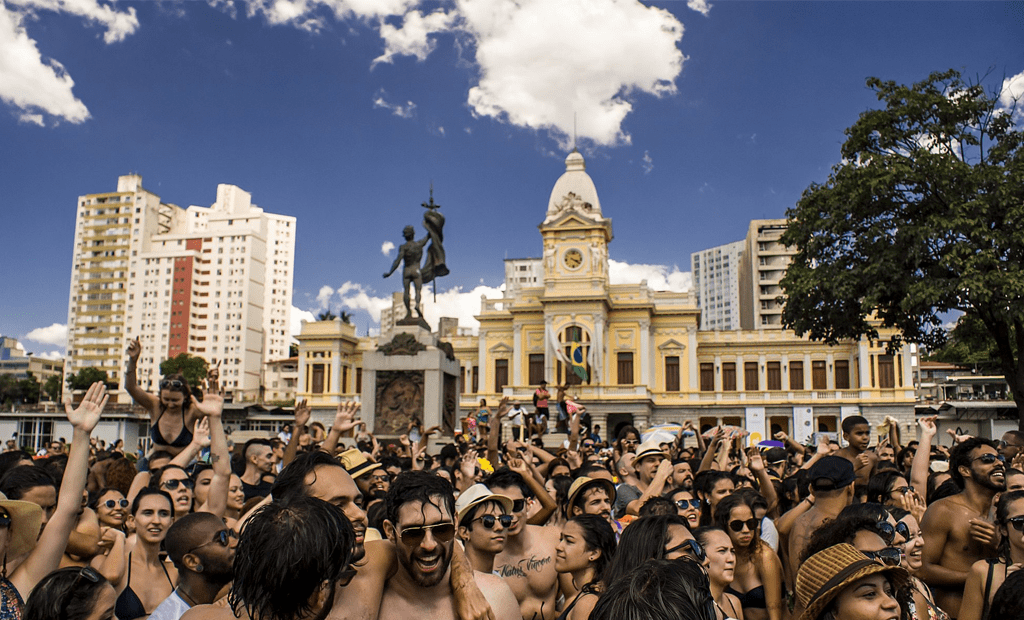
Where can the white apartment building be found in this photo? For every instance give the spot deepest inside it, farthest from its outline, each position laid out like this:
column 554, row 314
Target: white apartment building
column 716, row 279
column 210, row 281
column 765, row 260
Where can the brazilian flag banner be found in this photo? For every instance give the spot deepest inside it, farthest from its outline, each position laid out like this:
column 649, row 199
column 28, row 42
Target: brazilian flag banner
column 579, row 363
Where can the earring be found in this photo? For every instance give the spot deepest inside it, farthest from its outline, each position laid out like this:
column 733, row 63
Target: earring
column 199, row 568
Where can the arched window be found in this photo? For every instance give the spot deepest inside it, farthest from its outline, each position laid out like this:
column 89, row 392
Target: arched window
column 570, row 335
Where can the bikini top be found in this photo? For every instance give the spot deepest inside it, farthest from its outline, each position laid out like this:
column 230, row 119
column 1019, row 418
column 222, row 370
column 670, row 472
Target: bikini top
column 129, row 605
column 181, row 441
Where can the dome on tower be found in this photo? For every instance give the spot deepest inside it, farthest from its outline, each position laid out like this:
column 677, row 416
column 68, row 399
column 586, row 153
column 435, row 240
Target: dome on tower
column 574, row 190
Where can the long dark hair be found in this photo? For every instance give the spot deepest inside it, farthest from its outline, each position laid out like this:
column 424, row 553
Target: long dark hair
column 1002, row 514
column 880, row 486
column 644, row 539
column 704, row 484
column 723, row 511
column 598, row 535
column 658, row 588
column 65, row 594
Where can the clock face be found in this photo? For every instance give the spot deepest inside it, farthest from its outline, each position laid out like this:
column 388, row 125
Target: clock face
column 573, row 259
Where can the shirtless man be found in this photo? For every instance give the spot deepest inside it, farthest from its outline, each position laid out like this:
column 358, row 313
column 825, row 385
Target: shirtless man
column 419, row 522
column 482, row 519
column 956, row 529
column 320, row 475
column 527, row 563
column 831, row 479
column 857, row 432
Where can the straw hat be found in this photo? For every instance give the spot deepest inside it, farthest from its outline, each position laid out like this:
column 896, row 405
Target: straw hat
column 476, row 495
column 825, row 574
column 26, row 517
column 651, row 447
column 355, row 463
column 583, row 483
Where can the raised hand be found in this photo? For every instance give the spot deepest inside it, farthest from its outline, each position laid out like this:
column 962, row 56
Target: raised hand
column 134, row 350
column 503, row 408
column 345, row 418
column 824, row 446
column 756, row 462
column 469, row 464
column 212, row 405
column 201, row 433
column 928, row 428
column 574, row 459
column 519, row 466
column 302, row 412
column 780, row 436
column 86, row 416
column 912, row 503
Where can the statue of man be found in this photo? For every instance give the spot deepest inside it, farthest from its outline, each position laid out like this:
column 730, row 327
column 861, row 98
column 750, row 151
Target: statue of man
column 411, row 252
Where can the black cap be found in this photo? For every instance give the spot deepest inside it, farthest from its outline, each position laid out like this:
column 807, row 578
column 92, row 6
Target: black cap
column 831, row 473
column 774, row 455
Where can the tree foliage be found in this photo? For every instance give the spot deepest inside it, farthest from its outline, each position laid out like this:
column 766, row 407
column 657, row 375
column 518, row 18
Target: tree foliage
column 924, row 215
column 52, row 388
column 85, row 377
column 14, row 390
column 193, row 368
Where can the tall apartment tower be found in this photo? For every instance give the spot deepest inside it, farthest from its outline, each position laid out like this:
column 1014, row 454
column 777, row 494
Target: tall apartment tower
column 211, row 281
column 765, row 260
column 716, row 279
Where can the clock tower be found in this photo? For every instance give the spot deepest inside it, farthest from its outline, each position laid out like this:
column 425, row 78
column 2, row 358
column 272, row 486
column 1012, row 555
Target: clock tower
column 575, row 235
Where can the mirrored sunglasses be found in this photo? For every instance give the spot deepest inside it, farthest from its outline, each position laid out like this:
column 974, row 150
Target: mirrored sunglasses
column 684, row 504
column 172, row 384
column 988, row 459
column 112, row 503
column 890, row 556
column 442, row 532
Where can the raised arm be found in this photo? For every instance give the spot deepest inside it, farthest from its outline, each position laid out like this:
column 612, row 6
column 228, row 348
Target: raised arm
column 131, row 382
column 302, row 412
column 495, row 431
column 45, row 557
column 764, row 481
column 217, row 499
column 656, row 487
column 922, row 458
column 345, row 419
column 709, row 456
column 547, row 503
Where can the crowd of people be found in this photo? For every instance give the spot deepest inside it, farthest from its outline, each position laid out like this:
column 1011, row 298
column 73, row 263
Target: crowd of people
column 333, row 522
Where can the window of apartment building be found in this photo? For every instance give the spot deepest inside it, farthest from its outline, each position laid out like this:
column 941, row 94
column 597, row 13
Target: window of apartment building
column 672, row 373
column 318, row 379
column 729, row 377
column 536, row 368
column 500, row 374
column 886, row 375
column 476, row 379
column 796, row 375
column 774, row 375
column 707, row 377
column 819, row 380
column 625, row 368
column 842, row 374
column 750, row 376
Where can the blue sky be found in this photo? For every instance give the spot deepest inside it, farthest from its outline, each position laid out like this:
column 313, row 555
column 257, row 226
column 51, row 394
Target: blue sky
column 694, row 118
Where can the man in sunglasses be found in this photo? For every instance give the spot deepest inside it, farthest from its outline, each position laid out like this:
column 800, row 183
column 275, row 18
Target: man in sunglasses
column 483, row 519
column 203, row 551
column 420, row 522
column 956, row 529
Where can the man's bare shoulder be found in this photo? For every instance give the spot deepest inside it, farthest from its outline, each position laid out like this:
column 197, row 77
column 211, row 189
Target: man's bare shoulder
column 211, row 612
column 545, row 532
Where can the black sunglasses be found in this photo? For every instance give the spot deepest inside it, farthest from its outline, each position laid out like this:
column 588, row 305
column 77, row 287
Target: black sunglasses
column 890, row 556
column 736, row 525
column 442, row 532
column 111, row 503
column 903, row 530
column 5, row 518
column 172, row 485
column 989, row 458
column 171, row 384
column 222, row 537
column 691, row 547
column 886, row 531
column 518, row 505
column 1016, row 522
column 683, row 504
column 89, row 574
column 488, row 521
column 902, row 490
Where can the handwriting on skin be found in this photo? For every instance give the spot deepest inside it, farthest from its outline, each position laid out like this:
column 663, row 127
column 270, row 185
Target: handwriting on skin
column 525, row 565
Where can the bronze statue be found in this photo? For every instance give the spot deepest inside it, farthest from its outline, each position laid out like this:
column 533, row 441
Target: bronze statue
column 412, row 251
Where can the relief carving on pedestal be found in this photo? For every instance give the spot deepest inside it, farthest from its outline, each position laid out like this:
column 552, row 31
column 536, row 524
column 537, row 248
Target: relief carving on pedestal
column 399, row 400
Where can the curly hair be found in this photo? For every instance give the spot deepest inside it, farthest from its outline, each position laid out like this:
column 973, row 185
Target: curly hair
column 286, row 553
column 960, row 456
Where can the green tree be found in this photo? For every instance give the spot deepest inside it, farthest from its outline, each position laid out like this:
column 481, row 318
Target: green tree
column 193, row 368
column 85, row 377
column 923, row 216
column 52, row 387
column 293, row 350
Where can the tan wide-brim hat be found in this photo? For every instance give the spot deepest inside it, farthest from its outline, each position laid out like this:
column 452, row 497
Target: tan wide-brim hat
column 26, row 517
column 648, row 448
column 476, row 495
column 355, row 463
column 583, row 483
column 825, row 574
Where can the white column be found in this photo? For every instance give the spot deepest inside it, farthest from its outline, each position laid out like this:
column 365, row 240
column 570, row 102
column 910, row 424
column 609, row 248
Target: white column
column 645, row 349
column 599, row 353
column 481, row 361
column 864, row 364
column 517, row 354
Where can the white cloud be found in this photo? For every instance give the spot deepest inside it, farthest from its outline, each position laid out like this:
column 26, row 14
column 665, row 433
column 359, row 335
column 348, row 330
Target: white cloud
column 56, row 334
column 32, row 119
column 457, row 303
column 1012, row 94
column 324, row 297
column 295, row 320
column 358, row 297
column 404, row 111
column 118, row 24
column 659, row 277
column 647, row 163
column 52, row 355
column 701, row 6
column 413, row 38
column 310, row 14
column 386, row 248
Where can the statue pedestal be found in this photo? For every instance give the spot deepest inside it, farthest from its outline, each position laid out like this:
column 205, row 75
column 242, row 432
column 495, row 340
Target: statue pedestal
column 411, row 374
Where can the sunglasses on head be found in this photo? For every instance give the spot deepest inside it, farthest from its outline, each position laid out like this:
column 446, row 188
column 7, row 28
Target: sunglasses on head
column 222, row 538
column 88, row 573
column 442, row 532
column 890, row 556
column 736, row 525
column 1016, row 523
column 691, row 547
column 171, row 384
column 488, row 521
column 989, row 458
column 111, row 503
column 172, row 485
column 683, row 504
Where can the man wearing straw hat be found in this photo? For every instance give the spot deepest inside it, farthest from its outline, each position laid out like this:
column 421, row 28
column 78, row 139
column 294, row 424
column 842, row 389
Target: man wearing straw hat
column 592, row 496
column 482, row 518
column 652, row 470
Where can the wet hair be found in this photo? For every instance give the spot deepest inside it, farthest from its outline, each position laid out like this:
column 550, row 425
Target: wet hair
column 854, row 420
column 880, row 485
column 418, row 486
column 701, row 534
column 960, row 456
column 505, row 478
column 285, row 554
column 1002, row 514
column 19, row 480
column 841, row 530
column 658, row 590
column 186, row 533
column 65, row 595
column 1008, row 601
column 644, row 539
column 146, row 492
column 658, row 505
column 291, row 482
column 197, row 469
column 10, row 460
column 872, row 510
column 598, row 535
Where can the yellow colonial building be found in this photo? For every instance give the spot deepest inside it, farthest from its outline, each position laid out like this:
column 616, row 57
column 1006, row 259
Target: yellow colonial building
column 647, row 360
